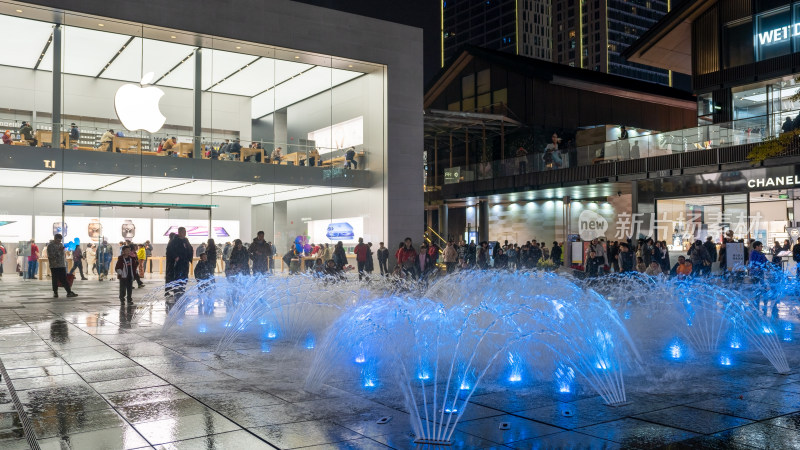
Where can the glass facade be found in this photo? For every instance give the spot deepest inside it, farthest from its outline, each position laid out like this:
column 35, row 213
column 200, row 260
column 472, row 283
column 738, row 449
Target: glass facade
column 224, row 136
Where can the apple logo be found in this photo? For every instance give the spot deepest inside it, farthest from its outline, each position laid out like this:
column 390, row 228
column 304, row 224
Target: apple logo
column 137, row 106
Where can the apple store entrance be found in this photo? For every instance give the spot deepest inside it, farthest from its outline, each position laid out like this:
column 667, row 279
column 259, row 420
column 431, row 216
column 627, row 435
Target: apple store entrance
column 91, row 224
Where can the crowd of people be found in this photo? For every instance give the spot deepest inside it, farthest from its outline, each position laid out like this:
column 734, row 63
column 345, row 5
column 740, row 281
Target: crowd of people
column 600, row 257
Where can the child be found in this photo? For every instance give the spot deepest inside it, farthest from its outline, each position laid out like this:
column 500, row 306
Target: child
column 126, row 269
column 203, row 270
column 640, row 266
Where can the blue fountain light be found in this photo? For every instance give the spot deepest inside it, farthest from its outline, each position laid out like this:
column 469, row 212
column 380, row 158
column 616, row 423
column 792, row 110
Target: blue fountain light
column 265, row 347
column 516, row 367
column 271, row 334
column 767, row 330
column 423, row 375
column 724, row 360
column 675, row 349
column 369, row 382
column 788, row 327
column 736, row 342
column 464, row 386
column 262, row 321
column 202, row 328
column 451, row 410
column 310, row 341
column 360, row 359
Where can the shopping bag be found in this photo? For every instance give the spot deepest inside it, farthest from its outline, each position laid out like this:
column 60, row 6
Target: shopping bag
column 70, row 279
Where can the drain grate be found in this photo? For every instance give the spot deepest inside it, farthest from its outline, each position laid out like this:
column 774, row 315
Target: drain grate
column 27, row 426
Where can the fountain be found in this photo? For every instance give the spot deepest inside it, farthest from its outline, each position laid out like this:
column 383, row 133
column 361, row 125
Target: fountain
column 429, row 348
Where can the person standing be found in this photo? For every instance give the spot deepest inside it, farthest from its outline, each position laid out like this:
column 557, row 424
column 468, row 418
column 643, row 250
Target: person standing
column 625, row 257
column 77, row 262
column 133, row 251
column 711, row 248
column 179, row 251
column 339, row 256
column 204, row 270
column 126, row 267
column 239, row 260
column 406, row 257
column 226, row 255
column 26, row 132
column 700, row 258
column 102, row 249
column 141, row 255
column 370, row 266
column 383, row 258
column 2, row 258
column 555, row 254
column 58, row 266
column 211, row 254
column 33, row 261
column 757, row 263
column 148, row 255
column 91, row 259
column 259, row 253
column 361, row 257
column 450, row 257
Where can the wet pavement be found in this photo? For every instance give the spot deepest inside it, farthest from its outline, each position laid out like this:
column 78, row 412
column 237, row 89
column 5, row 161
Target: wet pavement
column 88, row 377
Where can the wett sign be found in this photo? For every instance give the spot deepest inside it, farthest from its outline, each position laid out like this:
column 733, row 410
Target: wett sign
column 777, row 35
column 788, row 180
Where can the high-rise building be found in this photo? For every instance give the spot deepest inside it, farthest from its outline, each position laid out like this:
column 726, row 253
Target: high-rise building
column 589, row 34
column 592, row 33
column 515, row 26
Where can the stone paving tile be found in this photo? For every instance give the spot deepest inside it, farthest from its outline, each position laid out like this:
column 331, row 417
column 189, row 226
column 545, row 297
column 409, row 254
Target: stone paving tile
column 520, row 429
column 459, row 440
column 65, row 422
column 636, row 433
column 126, row 384
column 305, row 434
column 695, row 420
column 761, row 435
column 745, row 409
column 565, row 440
column 180, row 428
column 232, row 440
column 124, row 437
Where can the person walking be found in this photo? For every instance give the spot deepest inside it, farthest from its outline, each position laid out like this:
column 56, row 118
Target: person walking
column 383, row 258
column 126, row 267
column 259, row 252
column 77, row 262
column 361, row 256
column 58, row 266
column 33, row 261
column 450, row 257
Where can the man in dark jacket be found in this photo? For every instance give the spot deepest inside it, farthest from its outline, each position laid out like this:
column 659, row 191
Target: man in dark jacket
column 179, row 251
column 711, row 248
column 260, row 252
column 383, row 258
column 555, row 253
column 625, row 258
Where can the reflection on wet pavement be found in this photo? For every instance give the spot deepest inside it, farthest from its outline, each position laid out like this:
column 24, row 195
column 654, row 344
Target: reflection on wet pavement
column 91, row 376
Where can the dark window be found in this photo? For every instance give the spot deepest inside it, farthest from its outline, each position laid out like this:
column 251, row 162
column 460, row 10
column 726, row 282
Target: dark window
column 737, row 44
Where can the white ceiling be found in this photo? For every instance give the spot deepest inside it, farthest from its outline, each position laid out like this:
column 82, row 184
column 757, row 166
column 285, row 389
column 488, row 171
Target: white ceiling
column 258, row 193
column 272, row 83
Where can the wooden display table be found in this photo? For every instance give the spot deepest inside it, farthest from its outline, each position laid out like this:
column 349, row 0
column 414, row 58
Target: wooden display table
column 46, row 137
column 127, row 144
column 22, row 142
column 247, row 152
column 294, row 158
column 342, row 159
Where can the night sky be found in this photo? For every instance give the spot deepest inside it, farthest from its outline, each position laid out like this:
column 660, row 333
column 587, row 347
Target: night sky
column 417, row 13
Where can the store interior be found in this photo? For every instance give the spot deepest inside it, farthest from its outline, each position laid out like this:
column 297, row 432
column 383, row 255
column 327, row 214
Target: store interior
column 762, row 215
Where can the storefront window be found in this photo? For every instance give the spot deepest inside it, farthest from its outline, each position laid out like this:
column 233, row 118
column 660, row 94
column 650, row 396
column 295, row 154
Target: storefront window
column 322, row 111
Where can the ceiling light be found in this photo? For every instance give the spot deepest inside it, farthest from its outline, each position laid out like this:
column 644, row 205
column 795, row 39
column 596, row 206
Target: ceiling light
column 350, row 66
column 19, row 10
column 100, row 25
column 173, row 37
column 296, row 57
column 238, row 47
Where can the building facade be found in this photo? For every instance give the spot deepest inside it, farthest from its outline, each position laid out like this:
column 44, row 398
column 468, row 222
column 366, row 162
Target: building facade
column 586, row 34
column 744, row 59
column 126, row 123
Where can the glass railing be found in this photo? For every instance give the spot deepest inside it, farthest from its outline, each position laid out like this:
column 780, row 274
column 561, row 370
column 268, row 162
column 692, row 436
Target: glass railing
column 178, row 144
column 707, row 137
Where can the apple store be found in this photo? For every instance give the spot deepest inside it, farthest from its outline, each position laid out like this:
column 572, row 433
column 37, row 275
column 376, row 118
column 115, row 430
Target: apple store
column 118, row 129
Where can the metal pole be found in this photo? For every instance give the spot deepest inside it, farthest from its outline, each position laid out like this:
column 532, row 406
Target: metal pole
column 198, row 100
column 435, row 160
column 55, row 139
column 466, row 143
